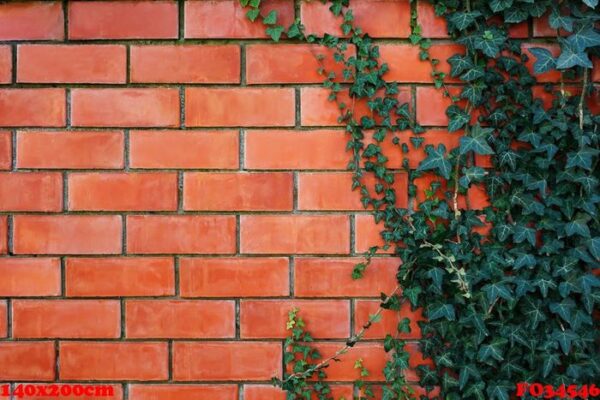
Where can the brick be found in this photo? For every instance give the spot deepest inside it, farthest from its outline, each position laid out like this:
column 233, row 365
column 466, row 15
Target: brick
column 184, row 149
column 234, row 277
column 180, row 319
column 170, row 391
column 289, row 149
column 550, row 76
column 149, row 107
column 5, row 63
column 227, row 19
column 90, row 392
column 30, row 277
column 335, row 277
column 67, row 234
column 247, row 361
column 432, row 105
column 289, row 63
column 30, row 191
column 368, row 234
column 333, row 191
column 71, row 64
column 238, row 191
column 398, row 55
column 32, row 107
column 70, row 150
column 119, row 277
column 261, row 319
column 294, row 234
column 155, row 234
column 542, row 28
column 363, row 309
column 123, row 191
column 109, row 361
column 380, row 18
column 123, row 20
column 3, row 319
column 27, row 361
column 432, row 26
column 193, row 64
column 36, row 20
column 5, row 150
column 74, row 319
column 253, row 107
column 263, row 392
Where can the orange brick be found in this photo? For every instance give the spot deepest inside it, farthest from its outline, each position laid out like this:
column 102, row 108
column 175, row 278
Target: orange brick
column 3, row 319
column 71, row 63
column 333, row 191
column 155, row 234
column 227, row 18
column 246, row 361
column 35, row 20
column 432, row 105
column 196, row 64
column 542, row 28
column 363, row 309
column 5, row 64
column 123, row 191
column 295, row 234
column 180, row 319
column 150, row 107
column 238, row 191
column 379, row 18
column 30, row 191
column 267, row 318
column 268, row 392
column 184, row 149
column 234, row 277
column 70, row 150
column 3, row 234
column 335, row 277
column 109, row 361
column 27, row 361
column 123, row 20
column 67, row 234
column 32, row 107
column 170, row 391
column 253, row 107
column 29, row 277
column 368, row 234
column 119, row 277
column 432, row 26
column 288, row 149
column 90, row 392
column 5, row 150
column 75, row 319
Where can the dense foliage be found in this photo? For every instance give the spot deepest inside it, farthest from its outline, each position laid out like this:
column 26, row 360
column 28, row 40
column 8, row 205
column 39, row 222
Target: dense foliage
column 509, row 291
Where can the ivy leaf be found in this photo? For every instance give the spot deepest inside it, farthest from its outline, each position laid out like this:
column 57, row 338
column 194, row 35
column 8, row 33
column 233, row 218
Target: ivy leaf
column 559, row 21
column 441, row 311
column 562, row 309
column 524, row 260
column 503, row 231
column 459, row 64
column 497, row 290
column 437, row 276
column 489, row 43
column 500, row 5
column 577, row 227
column 253, row 14
column 549, row 362
column 457, row 118
column 523, row 233
column 545, row 61
column 471, row 174
column 412, row 294
column 476, row 141
column 271, row 18
column 591, row 3
column 565, row 339
column 475, row 391
column 499, row 391
column 583, row 37
column 589, row 281
column 534, row 313
column 514, row 15
column 581, row 158
column 594, row 247
column 571, row 57
column 466, row 372
column 462, row 20
column 472, row 73
column 275, row 32
column 436, row 161
column 491, row 351
column 509, row 158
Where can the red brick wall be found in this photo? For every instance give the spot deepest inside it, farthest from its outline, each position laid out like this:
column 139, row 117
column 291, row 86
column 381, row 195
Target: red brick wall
column 173, row 184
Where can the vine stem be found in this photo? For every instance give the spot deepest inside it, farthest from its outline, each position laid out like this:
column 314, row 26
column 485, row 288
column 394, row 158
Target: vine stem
column 582, row 97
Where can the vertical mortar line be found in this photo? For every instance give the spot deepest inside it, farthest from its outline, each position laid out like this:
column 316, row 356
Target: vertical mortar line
column 170, row 359
column 297, row 9
column 124, row 235
column 13, row 55
column 13, row 150
column 243, row 64
column 63, row 276
column 181, row 5
column 240, row 391
column 56, row 360
column 177, row 277
column 123, row 318
column 352, row 234
column 125, row 391
column 179, row 192
column 237, row 319
column 68, row 106
column 238, row 234
column 352, row 314
column 297, row 99
column 295, row 192
column 9, row 232
column 126, row 151
column 65, row 182
column 9, row 318
column 292, row 274
column 127, row 64
column 182, row 107
column 65, row 7
column 242, row 149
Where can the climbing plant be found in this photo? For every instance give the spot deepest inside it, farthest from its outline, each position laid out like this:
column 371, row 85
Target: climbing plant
column 508, row 290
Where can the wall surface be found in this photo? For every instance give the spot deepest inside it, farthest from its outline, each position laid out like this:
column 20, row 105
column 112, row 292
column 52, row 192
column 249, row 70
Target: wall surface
column 173, row 184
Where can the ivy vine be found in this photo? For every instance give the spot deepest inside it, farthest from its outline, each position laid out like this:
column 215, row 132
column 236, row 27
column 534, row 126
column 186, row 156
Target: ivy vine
column 509, row 291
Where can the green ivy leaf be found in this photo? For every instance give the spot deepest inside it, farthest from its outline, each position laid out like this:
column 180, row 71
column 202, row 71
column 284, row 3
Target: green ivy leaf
column 571, row 57
column 476, row 141
column 436, row 160
column 457, row 118
column 577, row 227
column 492, row 351
column 271, row 18
column 494, row 291
column 441, row 311
column 594, row 247
column 500, row 5
column 523, row 233
column 565, row 339
column 591, row 3
column 253, row 14
column 462, row 20
column 275, row 32
column 545, row 61
column 559, row 21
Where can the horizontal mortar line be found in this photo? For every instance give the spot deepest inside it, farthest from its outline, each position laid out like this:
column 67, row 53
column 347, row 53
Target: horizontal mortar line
column 195, row 298
column 190, row 255
column 189, row 212
column 231, row 339
column 178, row 382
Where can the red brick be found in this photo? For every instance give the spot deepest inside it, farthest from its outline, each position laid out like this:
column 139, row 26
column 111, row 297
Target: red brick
column 70, row 150
column 97, row 392
column 267, row 318
column 123, row 20
column 253, row 107
column 5, row 63
column 32, row 107
column 542, row 28
column 234, row 277
column 432, row 26
column 30, row 277
column 268, row 392
column 30, row 191
column 155, row 234
column 363, row 309
column 36, row 20
column 3, row 234
column 227, row 18
column 379, row 18
column 368, row 234
column 245, row 361
column 333, row 191
column 550, row 76
column 432, row 105
column 119, row 277
column 67, row 234
column 184, row 149
column 123, row 191
column 3, row 319
column 74, row 319
column 180, row 319
column 238, row 191
column 109, row 361
column 71, row 64
column 288, row 149
column 335, row 277
column 192, row 392
column 27, row 361
column 195, row 64
column 5, row 150
column 289, row 63
column 149, row 107
column 295, row 234
column 398, row 55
